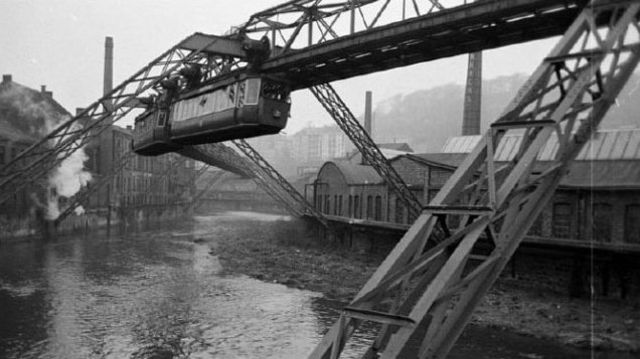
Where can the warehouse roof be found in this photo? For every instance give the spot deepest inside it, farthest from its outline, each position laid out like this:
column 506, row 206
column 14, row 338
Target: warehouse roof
column 616, row 144
column 355, row 173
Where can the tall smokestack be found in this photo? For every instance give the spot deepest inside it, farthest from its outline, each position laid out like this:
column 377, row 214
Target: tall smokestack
column 367, row 113
column 108, row 65
column 473, row 96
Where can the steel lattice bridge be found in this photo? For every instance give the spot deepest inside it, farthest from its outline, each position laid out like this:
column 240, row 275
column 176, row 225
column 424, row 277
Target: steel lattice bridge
column 424, row 292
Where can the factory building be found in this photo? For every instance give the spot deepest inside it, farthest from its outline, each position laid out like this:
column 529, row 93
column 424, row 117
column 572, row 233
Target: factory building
column 26, row 115
column 597, row 206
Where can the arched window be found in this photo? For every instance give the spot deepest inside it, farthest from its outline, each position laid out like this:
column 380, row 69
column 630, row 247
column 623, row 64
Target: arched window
column 327, row 204
column 319, row 202
column 357, row 211
column 561, row 226
column 350, row 208
column 369, row 207
column 399, row 211
column 340, row 205
column 335, row 204
column 632, row 223
column 536, row 227
column 378, row 209
column 601, row 222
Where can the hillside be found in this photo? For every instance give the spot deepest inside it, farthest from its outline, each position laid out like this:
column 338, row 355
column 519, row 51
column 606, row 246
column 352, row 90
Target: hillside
column 426, row 118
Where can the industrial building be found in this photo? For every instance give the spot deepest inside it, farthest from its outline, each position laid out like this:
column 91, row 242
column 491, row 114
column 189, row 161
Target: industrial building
column 25, row 116
column 597, row 206
column 144, row 182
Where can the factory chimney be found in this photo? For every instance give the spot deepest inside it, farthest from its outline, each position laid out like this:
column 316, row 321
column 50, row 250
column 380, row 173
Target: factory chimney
column 473, row 96
column 367, row 113
column 108, row 65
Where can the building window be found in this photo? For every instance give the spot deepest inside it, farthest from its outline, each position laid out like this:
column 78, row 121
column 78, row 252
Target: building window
column 601, row 222
column 350, row 208
column 378, row 209
column 319, row 202
column 632, row 223
column 369, row 207
column 2, row 154
column 327, row 204
column 399, row 211
column 536, row 227
column 335, row 204
column 357, row 211
column 340, row 205
column 411, row 216
column 561, row 226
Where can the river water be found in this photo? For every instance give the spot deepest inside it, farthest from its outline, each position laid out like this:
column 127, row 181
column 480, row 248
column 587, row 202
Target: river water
column 159, row 294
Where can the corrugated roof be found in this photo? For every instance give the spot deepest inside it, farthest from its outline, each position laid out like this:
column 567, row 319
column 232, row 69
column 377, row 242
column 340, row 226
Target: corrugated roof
column 355, row 173
column 614, row 144
column 618, row 174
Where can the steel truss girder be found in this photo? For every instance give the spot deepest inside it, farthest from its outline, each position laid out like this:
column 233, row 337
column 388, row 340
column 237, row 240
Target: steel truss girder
column 324, row 18
column 86, row 192
column 196, row 202
column 222, row 156
column 331, row 101
column 435, row 287
column 39, row 159
column 282, row 183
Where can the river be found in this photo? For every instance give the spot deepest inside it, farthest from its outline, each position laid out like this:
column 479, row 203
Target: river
column 159, row 294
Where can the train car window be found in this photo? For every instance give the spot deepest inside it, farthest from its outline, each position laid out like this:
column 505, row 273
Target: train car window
column 231, row 96
column 241, row 92
column 252, row 92
column 274, row 91
column 161, row 118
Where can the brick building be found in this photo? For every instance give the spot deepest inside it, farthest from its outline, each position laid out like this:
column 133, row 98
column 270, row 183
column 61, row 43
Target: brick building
column 144, row 181
column 25, row 116
column 596, row 207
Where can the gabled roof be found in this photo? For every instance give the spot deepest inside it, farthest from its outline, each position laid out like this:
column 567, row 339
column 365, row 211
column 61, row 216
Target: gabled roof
column 24, row 110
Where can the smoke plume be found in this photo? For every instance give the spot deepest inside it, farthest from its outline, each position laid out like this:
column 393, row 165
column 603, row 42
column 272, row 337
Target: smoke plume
column 30, row 112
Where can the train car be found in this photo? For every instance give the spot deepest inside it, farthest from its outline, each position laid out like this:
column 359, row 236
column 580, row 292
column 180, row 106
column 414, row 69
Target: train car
column 151, row 132
column 240, row 107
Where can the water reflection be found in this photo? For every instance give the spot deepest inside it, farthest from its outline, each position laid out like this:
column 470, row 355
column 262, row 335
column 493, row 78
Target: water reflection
column 152, row 295
column 160, row 294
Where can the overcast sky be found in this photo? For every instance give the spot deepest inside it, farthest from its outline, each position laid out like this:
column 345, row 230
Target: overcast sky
column 60, row 43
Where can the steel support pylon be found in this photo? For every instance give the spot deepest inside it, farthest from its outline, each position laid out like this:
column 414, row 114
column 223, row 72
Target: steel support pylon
column 220, row 155
column 282, row 185
column 331, row 101
column 567, row 96
column 196, row 202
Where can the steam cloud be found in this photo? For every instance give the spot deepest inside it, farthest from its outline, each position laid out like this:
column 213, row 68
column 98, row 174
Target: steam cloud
column 70, row 175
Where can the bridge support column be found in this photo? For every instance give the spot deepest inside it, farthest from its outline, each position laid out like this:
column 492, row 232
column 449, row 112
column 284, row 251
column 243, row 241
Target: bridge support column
column 425, row 291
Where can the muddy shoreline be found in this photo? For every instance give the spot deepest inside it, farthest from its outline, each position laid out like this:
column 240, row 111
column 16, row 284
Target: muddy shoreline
column 284, row 253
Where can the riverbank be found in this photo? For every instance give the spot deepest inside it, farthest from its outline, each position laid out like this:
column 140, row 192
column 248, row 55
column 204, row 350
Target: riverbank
column 282, row 252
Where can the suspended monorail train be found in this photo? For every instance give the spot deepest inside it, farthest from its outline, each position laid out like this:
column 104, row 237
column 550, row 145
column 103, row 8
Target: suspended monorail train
column 151, row 135
column 240, row 107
